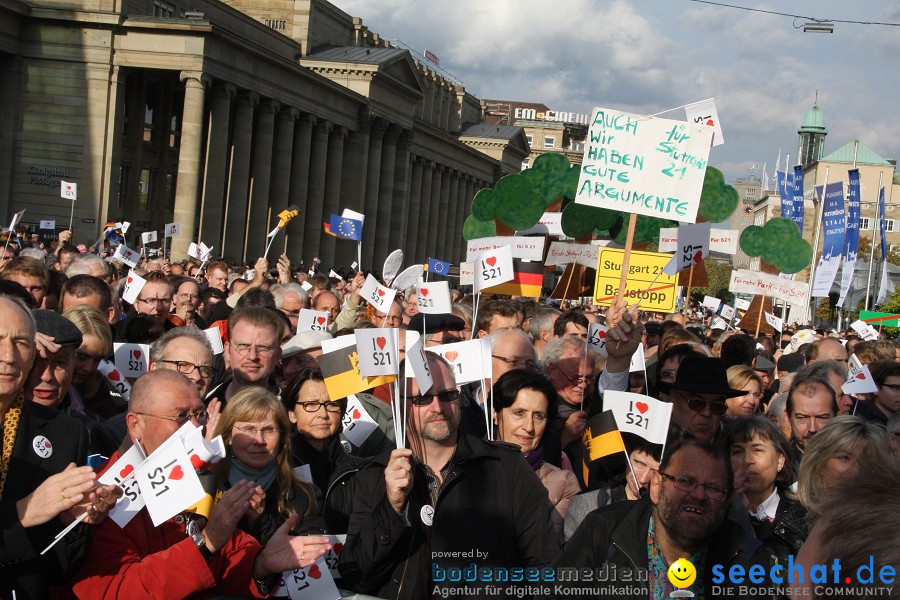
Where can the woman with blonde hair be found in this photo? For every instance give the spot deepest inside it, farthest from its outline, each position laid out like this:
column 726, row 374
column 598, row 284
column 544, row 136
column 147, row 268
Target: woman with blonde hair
column 742, row 377
column 835, row 452
column 256, row 429
column 96, row 344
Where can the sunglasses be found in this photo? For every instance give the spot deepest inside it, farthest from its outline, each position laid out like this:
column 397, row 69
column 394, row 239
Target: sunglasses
column 445, row 396
column 717, row 408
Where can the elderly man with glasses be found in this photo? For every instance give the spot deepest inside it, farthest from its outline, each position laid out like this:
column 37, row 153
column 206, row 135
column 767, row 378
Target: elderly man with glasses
column 450, row 501
column 186, row 555
column 683, row 517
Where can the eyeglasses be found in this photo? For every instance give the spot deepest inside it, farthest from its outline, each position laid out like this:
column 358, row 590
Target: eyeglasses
column 425, row 400
column 312, row 406
column 717, row 408
column 201, row 416
column 688, row 484
column 668, row 373
column 261, row 351
column 573, row 380
column 152, row 301
column 516, row 363
column 267, row 433
column 186, row 368
column 756, row 395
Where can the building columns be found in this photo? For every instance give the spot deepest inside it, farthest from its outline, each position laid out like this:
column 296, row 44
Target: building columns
column 414, row 204
column 299, row 186
column 386, row 237
column 239, row 179
column 258, row 210
column 333, row 185
column 187, row 186
column 215, row 169
column 402, row 173
column 449, row 237
column 280, row 188
column 312, row 229
column 428, row 176
column 373, row 179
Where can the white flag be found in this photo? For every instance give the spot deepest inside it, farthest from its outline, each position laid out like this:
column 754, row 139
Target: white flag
column 493, row 268
column 597, row 337
column 172, row 229
column 742, row 304
column 705, row 113
column 377, row 295
column 415, row 358
column 48, row 224
column 711, row 302
column 68, row 190
column 693, row 244
column 775, row 322
column 727, row 312
column 377, row 351
column 860, row 380
column 148, row 237
column 433, row 298
column 638, row 414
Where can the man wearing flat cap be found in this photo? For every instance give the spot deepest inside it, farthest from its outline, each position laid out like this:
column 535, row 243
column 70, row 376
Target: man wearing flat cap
column 698, row 395
column 50, row 376
column 439, row 329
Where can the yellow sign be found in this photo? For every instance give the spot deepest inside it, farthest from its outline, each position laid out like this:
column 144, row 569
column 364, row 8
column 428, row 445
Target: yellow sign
column 646, row 281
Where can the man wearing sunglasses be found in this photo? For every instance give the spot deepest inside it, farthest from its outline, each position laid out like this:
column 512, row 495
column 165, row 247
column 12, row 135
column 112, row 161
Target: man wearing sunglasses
column 698, row 396
column 449, row 501
column 184, row 556
column 684, row 516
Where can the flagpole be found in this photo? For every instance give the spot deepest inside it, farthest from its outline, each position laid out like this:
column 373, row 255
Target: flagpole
column 72, row 214
column 874, row 225
column 812, row 266
column 762, row 305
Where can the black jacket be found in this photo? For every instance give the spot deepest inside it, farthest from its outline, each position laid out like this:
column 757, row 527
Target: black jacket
column 265, row 526
column 22, row 568
column 490, row 501
column 334, row 474
column 617, row 535
column 779, row 539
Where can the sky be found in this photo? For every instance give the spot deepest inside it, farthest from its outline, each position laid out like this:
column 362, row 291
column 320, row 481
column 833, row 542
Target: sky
column 647, row 56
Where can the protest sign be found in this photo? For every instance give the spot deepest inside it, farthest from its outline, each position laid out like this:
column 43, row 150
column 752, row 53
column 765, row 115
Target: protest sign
column 693, row 244
column 132, row 359
column 465, row 359
column 416, row 359
column 149, row 237
column 727, row 312
column 720, row 240
column 433, row 298
column 833, row 228
column 133, row 286
column 597, row 337
column 550, row 223
column 377, row 351
column 705, row 113
column 215, row 340
column 48, row 224
column 776, row 322
column 358, row 425
column 172, row 229
column 851, row 239
column 121, row 474
column 645, row 268
column 711, row 302
column 493, row 267
column 68, row 190
column 377, row 295
column 115, row 378
column 644, row 165
column 860, row 380
column 564, row 253
column 638, row 414
column 752, row 282
column 741, row 304
column 527, row 248
column 127, row 255
column 466, row 273
column 312, row 320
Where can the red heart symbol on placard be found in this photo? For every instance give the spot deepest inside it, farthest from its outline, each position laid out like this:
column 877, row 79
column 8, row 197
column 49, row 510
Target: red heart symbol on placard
column 425, row 292
column 114, row 375
column 699, row 256
column 314, row 572
column 337, row 548
column 491, row 261
column 136, row 354
column 320, row 320
column 126, row 471
column 601, row 334
column 176, row 473
column 381, row 341
column 355, row 414
column 451, row 356
column 47, row 444
column 642, row 407
column 198, row 463
column 710, row 123
column 130, row 279
column 860, row 375
column 381, row 292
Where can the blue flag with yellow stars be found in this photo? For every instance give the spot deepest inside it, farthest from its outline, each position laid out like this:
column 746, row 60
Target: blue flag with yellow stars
column 345, row 228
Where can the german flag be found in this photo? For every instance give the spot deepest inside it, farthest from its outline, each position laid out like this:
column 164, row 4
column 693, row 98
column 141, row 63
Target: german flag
column 528, row 280
column 327, row 227
column 342, row 377
column 601, row 438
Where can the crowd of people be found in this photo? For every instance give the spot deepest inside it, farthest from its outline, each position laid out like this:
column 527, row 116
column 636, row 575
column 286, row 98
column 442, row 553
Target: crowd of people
column 767, row 461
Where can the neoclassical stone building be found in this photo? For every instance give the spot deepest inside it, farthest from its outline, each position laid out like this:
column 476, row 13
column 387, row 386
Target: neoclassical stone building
column 218, row 115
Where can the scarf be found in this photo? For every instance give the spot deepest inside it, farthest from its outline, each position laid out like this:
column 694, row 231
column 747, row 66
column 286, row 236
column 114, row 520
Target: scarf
column 535, row 457
column 263, row 477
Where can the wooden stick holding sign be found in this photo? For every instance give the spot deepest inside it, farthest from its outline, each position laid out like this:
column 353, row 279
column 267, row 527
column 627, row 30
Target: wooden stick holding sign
column 626, row 260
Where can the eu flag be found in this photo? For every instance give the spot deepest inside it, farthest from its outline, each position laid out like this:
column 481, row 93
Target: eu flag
column 438, row 267
column 345, row 228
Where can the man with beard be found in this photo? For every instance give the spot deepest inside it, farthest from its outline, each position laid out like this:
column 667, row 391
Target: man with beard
column 453, row 501
column 682, row 517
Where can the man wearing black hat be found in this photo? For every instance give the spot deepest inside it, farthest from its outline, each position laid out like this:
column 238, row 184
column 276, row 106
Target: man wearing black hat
column 439, row 329
column 50, row 376
column 698, row 396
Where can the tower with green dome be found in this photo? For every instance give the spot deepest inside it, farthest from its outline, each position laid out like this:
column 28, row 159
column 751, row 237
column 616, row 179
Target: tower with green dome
column 812, row 137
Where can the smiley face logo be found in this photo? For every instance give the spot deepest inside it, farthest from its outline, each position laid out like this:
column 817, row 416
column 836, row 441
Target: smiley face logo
column 682, row 573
